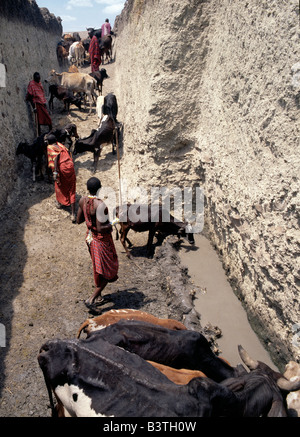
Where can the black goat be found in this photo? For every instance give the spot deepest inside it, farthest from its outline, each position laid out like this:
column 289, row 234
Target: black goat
column 65, row 134
column 38, row 149
column 35, row 152
column 99, row 76
column 93, row 143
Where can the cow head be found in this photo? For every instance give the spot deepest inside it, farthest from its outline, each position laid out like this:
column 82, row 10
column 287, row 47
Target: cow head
column 90, row 31
column 54, row 78
column 103, row 73
column 282, row 382
column 262, row 391
column 72, row 130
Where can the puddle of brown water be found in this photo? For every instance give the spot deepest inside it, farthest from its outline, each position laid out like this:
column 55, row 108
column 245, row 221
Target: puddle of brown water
column 219, row 305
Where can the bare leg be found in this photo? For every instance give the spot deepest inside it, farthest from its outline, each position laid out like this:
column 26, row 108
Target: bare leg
column 73, row 212
column 100, row 285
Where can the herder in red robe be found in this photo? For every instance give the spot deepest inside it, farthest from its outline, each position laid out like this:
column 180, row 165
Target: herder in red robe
column 61, row 164
column 94, row 52
column 35, row 95
column 99, row 240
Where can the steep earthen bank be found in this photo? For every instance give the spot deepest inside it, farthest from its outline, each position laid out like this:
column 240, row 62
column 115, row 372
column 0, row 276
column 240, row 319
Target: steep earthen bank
column 207, row 98
column 28, row 40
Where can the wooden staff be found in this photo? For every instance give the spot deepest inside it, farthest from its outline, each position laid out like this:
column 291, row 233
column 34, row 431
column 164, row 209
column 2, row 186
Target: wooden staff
column 36, row 122
column 119, row 165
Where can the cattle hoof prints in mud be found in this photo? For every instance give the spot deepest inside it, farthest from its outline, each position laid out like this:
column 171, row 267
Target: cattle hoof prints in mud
column 93, row 376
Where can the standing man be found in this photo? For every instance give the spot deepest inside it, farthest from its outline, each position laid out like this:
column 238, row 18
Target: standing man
column 61, row 164
column 105, row 28
column 99, row 239
column 35, row 95
column 94, row 52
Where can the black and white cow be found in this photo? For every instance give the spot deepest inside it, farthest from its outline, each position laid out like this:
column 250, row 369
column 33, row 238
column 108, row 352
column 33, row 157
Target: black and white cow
column 110, row 381
column 105, row 134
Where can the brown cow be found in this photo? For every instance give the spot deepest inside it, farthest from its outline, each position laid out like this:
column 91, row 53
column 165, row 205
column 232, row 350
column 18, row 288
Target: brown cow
column 76, row 82
column 113, row 316
column 62, row 56
column 105, row 48
column 178, row 376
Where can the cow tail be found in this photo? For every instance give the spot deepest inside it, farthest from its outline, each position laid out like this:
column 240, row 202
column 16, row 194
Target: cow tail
column 82, row 328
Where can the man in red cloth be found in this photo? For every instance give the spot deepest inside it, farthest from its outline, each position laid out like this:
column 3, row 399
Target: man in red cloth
column 94, row 52
column 62, row 166
column 99, row 240
column 35, row 95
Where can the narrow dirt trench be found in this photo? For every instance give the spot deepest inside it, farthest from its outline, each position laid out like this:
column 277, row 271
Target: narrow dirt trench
column 46, row 273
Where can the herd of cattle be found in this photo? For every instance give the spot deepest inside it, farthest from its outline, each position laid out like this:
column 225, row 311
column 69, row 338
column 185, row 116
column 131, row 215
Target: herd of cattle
column 133, row 364
column 72, row 50
column 71, row 89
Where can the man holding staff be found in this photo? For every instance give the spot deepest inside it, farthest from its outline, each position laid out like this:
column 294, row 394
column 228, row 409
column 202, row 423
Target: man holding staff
column 98, row 239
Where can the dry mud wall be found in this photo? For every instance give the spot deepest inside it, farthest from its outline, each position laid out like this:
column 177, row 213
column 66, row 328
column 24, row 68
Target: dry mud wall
column 28, row 40
column 209, row 97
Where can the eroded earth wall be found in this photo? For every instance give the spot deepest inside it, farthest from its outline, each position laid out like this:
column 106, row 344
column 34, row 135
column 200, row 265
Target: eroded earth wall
column 209, row 95
column 28, row 40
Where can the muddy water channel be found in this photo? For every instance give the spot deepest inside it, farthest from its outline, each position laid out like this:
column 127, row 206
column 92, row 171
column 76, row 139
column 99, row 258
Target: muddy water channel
column 218, row 305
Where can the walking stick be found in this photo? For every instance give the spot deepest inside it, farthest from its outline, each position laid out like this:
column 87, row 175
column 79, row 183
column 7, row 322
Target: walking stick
column 35, row 116
column 119, row 165
column 119, row 176
column 36, row 124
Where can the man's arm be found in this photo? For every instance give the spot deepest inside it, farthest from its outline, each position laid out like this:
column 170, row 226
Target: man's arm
column 80, row 215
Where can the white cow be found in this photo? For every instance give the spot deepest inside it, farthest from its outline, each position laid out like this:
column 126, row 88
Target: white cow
column 76, row 53
column 76, row 82
column 99, row 108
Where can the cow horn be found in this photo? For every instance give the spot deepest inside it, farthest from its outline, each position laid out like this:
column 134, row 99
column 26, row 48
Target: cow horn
column 288, row 385
column 252, row 364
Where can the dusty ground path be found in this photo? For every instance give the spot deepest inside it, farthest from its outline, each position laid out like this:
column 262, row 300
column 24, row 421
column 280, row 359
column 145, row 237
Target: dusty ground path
column 46, row 274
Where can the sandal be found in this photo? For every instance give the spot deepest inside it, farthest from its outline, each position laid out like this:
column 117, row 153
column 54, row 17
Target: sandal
column 89, row 305
column 99, row 302
column 92, row 306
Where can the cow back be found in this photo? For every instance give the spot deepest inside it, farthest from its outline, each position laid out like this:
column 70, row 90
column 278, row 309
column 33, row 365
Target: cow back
column 79, row 82
column 175, row 348
column 113, row 316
